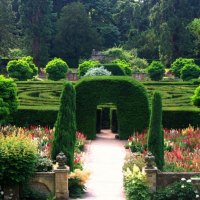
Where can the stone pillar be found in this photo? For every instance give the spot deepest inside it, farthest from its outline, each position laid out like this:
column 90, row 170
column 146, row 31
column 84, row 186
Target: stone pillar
column 151, row 175
column 151, row 172
column 61, row 184
column 61, row 178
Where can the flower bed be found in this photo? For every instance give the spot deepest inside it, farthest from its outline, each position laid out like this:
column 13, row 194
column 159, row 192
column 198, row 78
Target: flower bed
column 182, row 148
column 42, row 138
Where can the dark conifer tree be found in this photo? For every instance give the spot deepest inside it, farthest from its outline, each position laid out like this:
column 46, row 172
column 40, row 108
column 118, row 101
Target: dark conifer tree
column 155, row 133
column 65, row 127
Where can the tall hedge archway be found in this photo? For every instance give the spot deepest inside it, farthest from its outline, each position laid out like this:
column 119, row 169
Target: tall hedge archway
column 129, row 96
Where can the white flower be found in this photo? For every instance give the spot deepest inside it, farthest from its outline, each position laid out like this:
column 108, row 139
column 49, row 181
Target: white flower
column 197, row 196
column 189, row 181
column 182, row 186
column 1, row 192
column 183, row 179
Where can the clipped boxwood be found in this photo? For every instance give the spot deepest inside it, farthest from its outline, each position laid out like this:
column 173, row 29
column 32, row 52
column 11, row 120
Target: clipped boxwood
column 156, row 71
column 56, row 69
column 196, row 97
column 132, row 112
column 85, row 66
column 115, row 69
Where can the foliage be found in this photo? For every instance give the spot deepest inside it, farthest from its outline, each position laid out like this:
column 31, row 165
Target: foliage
column 139, row 65
column 156, row 71
column 78, row 42
column 119, row 53
column 135, row 184
column 194, row 28
column 8, row 29
column 77, row 180
column 182, row 190
column 137, row 142
column 178, row 64
column 133, row 112
column 44, row 164
column 98, row 71
column 134, row 159
column 181, row 150
column 190, row 71
column 18, row 158
column 115, row 69
column 29, row 60
column 29, row 193
column 20, row 69
column 124, row 65
column 196, row 97
column 155, row 133
column 65, row 127
column 56, row 69
column 85, row 66
column 36, row 21
column 8, row 98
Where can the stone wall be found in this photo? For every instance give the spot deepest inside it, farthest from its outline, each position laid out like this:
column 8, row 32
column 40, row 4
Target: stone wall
column 166, row 178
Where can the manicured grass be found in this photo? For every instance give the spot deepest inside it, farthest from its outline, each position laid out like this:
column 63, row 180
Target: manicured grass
column 45, row 95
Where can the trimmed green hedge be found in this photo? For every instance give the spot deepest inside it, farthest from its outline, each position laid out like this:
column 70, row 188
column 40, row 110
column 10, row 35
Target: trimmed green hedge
column 171, row 118
column 132, row 112
column 27, row 117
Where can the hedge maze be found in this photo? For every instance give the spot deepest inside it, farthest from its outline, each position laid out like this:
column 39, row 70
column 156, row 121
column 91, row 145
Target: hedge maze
column 45, row 95
column 39, row 103
column 39, row 95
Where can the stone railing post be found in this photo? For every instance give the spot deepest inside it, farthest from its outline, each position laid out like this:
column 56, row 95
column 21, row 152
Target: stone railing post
column 151, row 172
column 61, row 178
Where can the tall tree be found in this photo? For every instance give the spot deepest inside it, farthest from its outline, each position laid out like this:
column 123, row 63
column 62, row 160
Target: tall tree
column 36, row 22
column 170, row 19
column 65, row 128
column 7, row 27
column 75, row 36
column 155, row 133
column 100, row 12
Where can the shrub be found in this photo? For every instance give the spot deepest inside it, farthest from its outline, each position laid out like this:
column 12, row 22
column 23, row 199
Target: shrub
column 65, row 128
column 135, row 184
column 181, row 190
column 18, row 158
column 155, row 133
column 124, row 65
column 19, row 69
column 115, row 69
column 8, row 98
column 156, row 70
column 85, row 66
column 77, row 180
column 119, row 53
column 98, row 71
column 139, row 64
column 178, row 64
column 190, row 71
column 196, row 97
column 56, row 69
column 44, row 164
column 29, row 60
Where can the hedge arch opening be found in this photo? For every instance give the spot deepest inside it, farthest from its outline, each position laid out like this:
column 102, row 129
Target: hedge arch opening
column 129, row 96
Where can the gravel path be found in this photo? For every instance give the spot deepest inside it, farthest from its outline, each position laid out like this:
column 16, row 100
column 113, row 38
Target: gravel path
column 104, row 158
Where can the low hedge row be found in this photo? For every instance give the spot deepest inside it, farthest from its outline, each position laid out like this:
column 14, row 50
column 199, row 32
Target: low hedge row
column 171, row 118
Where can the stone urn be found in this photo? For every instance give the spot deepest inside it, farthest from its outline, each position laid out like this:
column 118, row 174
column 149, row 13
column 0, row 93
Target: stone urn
column 149, row 160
